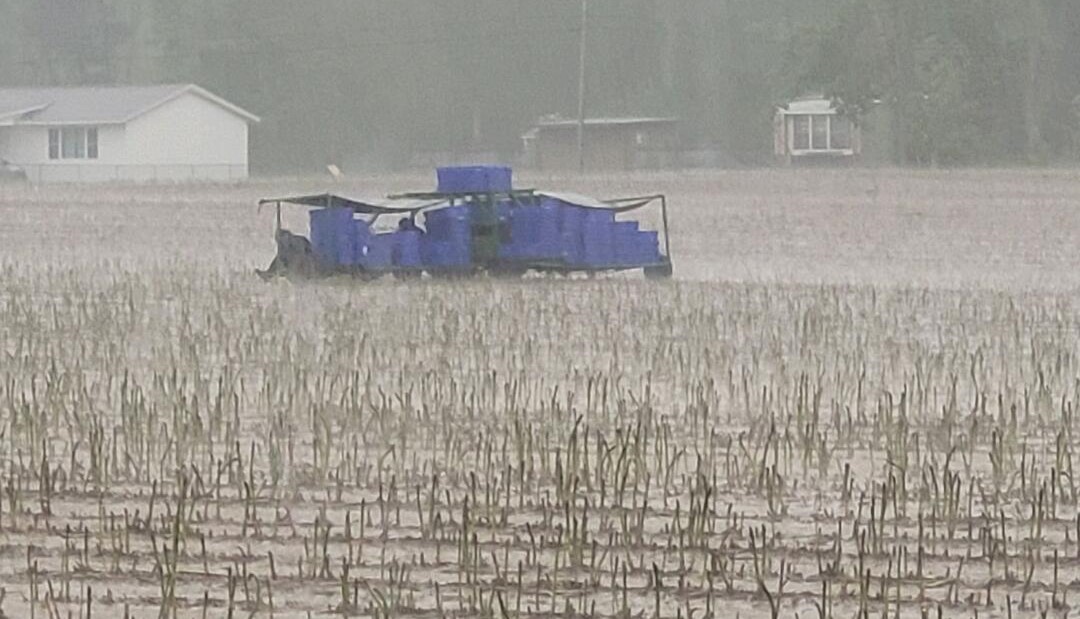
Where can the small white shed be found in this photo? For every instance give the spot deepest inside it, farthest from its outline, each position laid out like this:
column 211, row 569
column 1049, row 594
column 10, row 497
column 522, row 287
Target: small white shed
column 124, row 133
column 812, row 128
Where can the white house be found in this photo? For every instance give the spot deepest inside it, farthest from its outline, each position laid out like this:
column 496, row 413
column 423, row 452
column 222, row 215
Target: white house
column 813, row 128
column 124, row 133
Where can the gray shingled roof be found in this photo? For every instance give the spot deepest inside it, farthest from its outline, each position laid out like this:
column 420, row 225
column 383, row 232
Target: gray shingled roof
column 96, row 104
column 605, row 122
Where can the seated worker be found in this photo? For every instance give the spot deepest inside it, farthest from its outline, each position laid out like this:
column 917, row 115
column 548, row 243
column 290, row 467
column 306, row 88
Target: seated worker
column 408, row 224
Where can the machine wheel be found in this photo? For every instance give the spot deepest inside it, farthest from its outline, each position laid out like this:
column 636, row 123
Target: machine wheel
column 660, row 272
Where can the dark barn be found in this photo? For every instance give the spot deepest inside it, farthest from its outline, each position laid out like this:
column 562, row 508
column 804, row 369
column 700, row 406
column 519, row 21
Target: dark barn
column 610, row 144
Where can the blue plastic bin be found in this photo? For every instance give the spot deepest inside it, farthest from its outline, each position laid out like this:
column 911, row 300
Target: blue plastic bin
column 599, row 245
column 442, row 255
column 360, row 245
column 378, row 252
column 534, row 233
column 648, row 247
column 627, row 243
column 446, row 224
column 448, row 239
column 571, row 234
column 475, row 179
column 334, row 235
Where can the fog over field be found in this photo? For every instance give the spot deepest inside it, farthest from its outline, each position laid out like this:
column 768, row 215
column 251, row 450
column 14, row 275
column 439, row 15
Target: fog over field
column 1012, row 229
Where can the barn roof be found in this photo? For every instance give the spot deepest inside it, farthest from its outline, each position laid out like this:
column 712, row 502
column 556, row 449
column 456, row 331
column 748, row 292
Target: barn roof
column 810, row 105
column 605, row 122
column 98, row 105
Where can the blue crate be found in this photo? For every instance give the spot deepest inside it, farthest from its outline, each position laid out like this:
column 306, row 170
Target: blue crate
column 598, row 215
column 598, row 237
column 512, row 231
column 475, row 179
column 442, row 255
column 650, row 246
column 378, row 252
column 448, row 240
column 334, row 235
column 360, row 244
column 627, row 244
column 523, row 226
column 450, row 224
column 571, row 234
column 534, row 233
column 599, row 245
column 549, row 244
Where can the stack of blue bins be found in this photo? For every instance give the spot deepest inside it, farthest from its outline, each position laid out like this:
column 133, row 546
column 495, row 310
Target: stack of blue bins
column 447, row 244
column 397, row 249
column 334, row 236
column 375, row 250
column 592, row 238
column 571, row 234
column 577, row 236
column 598, row 230
column 535, row 231
column 475, row 179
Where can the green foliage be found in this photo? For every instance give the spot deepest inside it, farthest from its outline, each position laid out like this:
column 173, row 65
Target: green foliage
column 970, row 81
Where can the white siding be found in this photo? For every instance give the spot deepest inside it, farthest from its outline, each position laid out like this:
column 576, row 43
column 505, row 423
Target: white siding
column 28, row 146
column 189, row 137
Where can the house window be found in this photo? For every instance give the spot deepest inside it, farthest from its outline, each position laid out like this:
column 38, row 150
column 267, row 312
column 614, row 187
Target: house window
column 73, row 143
column 54, row 143
column 91, row 143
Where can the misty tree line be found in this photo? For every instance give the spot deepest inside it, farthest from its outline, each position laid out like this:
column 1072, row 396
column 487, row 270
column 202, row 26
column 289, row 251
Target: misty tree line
column 373, row 82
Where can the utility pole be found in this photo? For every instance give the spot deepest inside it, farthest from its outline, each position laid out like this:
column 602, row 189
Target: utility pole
column 581, row 84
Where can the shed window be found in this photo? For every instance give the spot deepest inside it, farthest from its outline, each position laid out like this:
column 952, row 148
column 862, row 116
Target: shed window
column 840, row 133
column 821, row 132
column 73, row 143
column 801, row 129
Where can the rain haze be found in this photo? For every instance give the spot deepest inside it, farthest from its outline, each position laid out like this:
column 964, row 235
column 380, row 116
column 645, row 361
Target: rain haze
column 532, row 308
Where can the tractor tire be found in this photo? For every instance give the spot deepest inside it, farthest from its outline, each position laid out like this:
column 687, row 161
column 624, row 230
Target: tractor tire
column 660, row 272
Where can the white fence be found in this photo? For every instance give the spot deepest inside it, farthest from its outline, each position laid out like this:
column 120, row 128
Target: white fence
column 104, row 173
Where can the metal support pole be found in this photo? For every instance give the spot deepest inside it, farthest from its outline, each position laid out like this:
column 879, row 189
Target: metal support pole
column 667, row 233
column 278, row 205
column 581, row 84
